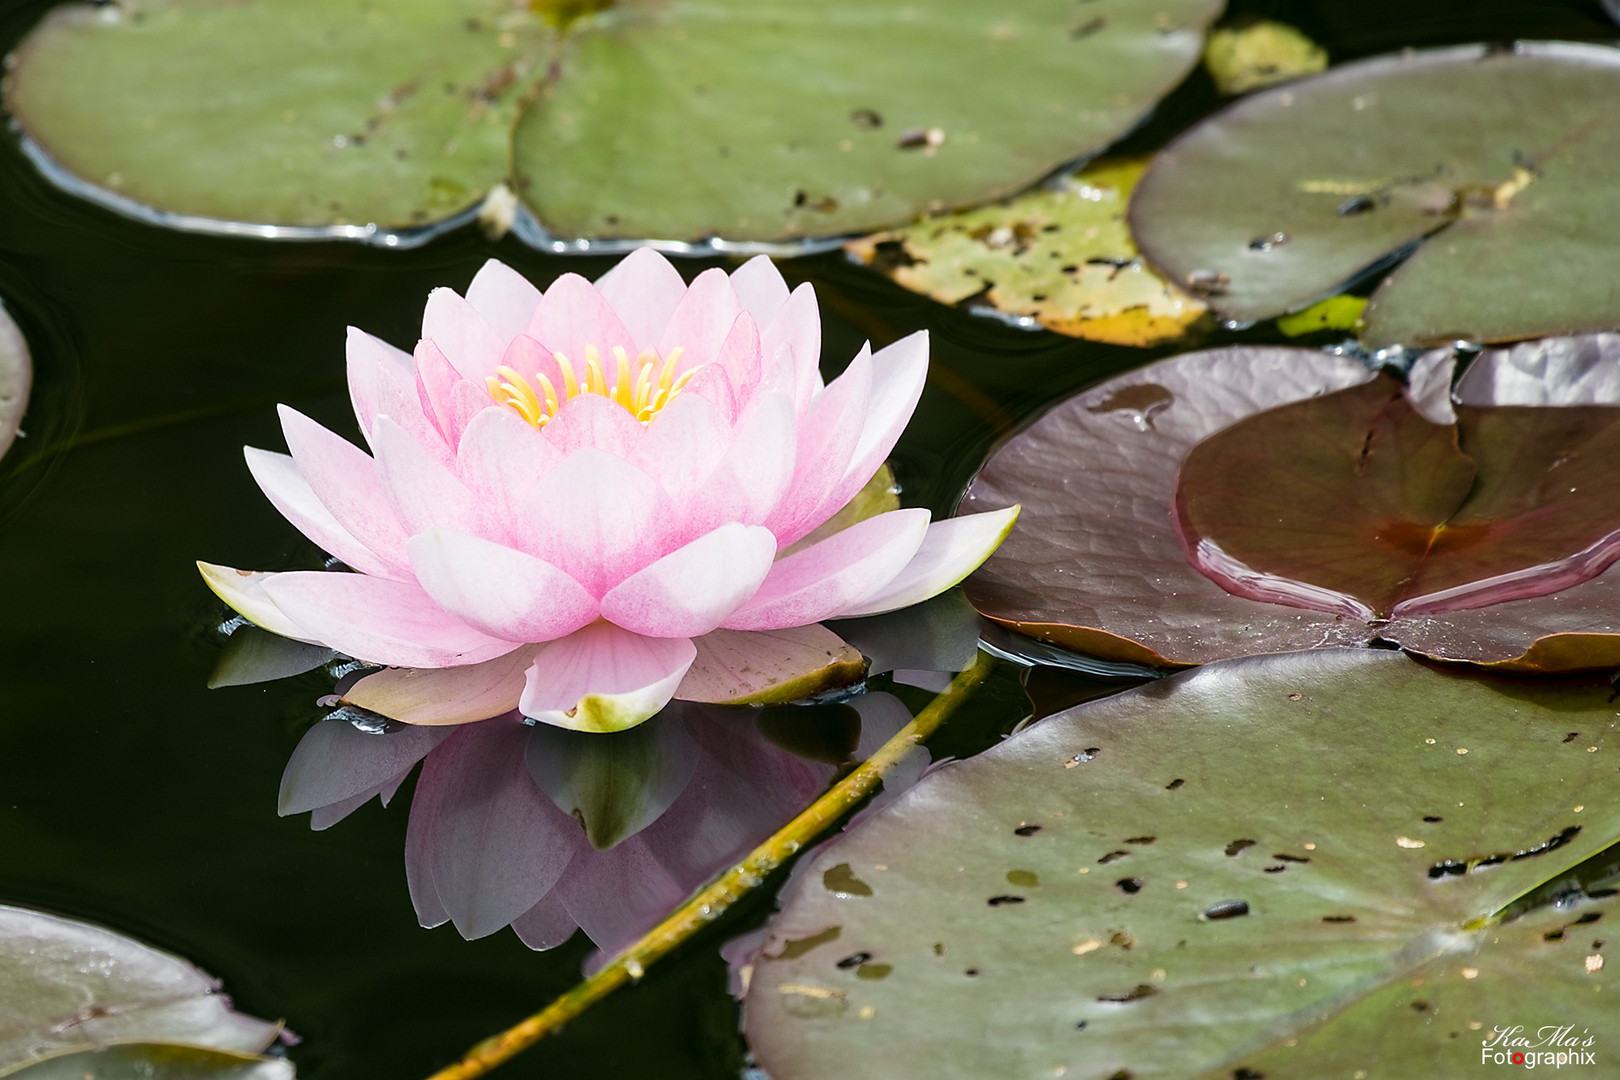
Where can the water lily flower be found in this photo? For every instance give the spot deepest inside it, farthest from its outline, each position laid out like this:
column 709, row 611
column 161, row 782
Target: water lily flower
column 583, row 503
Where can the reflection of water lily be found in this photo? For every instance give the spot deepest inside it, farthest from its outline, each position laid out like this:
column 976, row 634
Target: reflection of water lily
column 546, row 829
column 607, row 494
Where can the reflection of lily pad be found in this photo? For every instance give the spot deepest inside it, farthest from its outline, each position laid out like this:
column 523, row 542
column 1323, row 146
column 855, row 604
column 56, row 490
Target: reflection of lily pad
column 1496, row 163
column 1103, row 567
column 67, row 986
column 754, row 120
column 1261, row 868
column 294, row 113
column 1061, row 256
column 16, row 371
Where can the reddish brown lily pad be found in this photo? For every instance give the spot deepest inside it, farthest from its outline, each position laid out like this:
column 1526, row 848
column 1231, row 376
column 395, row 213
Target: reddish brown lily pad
column 1311, row 561
column 1360, row 494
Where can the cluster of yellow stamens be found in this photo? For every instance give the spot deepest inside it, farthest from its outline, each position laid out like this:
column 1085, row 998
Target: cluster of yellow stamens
column 643, row 386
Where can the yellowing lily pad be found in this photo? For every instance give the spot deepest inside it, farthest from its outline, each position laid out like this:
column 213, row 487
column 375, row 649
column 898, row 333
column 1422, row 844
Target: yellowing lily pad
column 1263, row 53
column 1061, row 256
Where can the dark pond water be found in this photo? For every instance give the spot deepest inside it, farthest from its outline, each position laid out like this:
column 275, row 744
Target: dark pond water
column 133, row 796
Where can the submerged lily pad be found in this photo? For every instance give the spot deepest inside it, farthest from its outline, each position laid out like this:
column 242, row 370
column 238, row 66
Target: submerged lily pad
column 1061, row 256
column 1495, row 164
column 16, row 372
column 300, row 113
column 1208, row 526
column 749, row 120
column 67, row 986
column 1264, row 867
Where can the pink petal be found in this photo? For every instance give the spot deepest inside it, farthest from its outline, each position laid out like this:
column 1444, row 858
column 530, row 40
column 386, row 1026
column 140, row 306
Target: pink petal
column 702, row 319
column 500, row 461
column 278, row 477
column 752, row 479
column 573, row 315
column 504, row 593
column 422, row 492
column 381, row 621
column 791, row 342
column 289, row 491
column 503, row 297
column 692, row 589
column 378, row 375
column 898, row 374
column 597, row 518
column 644, row 289
column 828, row 435
column 739, row 357
column 436, row 381
column 603, row 678
column 712, row 383
column 591, row 420
column 335, row 761
column 345, row 479
column 489, row 841
column 681, row 447
column 547, row 924
column 465, row 337
column 835, row 574
column 444, row 697
column 760, row 288
column 950, row 551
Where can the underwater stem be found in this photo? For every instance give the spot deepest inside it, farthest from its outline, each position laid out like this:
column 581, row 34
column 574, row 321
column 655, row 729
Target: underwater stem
column 707, row 905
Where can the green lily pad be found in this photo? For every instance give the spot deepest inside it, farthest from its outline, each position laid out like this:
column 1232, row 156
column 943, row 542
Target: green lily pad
column 1060, row 256
column 770, row 120
column 327, row 115
column 1495, row 164
column 1257, row 868
column 67, row 986
column 155, row 1061
column 16, row 372
column 743, row 119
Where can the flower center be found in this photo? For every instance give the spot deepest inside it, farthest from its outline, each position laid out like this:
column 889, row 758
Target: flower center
column 643, row 385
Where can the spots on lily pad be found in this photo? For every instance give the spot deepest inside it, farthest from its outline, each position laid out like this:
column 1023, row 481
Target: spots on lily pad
column 840, row 880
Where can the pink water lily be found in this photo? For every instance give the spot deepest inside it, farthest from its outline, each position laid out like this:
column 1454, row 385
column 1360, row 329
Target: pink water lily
column 585, row 502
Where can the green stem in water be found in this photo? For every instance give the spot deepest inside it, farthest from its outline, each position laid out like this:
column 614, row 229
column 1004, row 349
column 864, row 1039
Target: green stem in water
column 707, row 905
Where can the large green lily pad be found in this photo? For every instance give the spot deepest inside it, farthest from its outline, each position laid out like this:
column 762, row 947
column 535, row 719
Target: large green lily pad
column 770, row 119
column 68, row 986
column 1061, row 256
column 1255, row 869
column 295, row 113
column 16, row 372
column 747, row 120
column 1496, row 164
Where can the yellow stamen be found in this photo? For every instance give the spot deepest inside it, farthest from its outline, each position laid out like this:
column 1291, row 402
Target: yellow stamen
column 643, row 386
